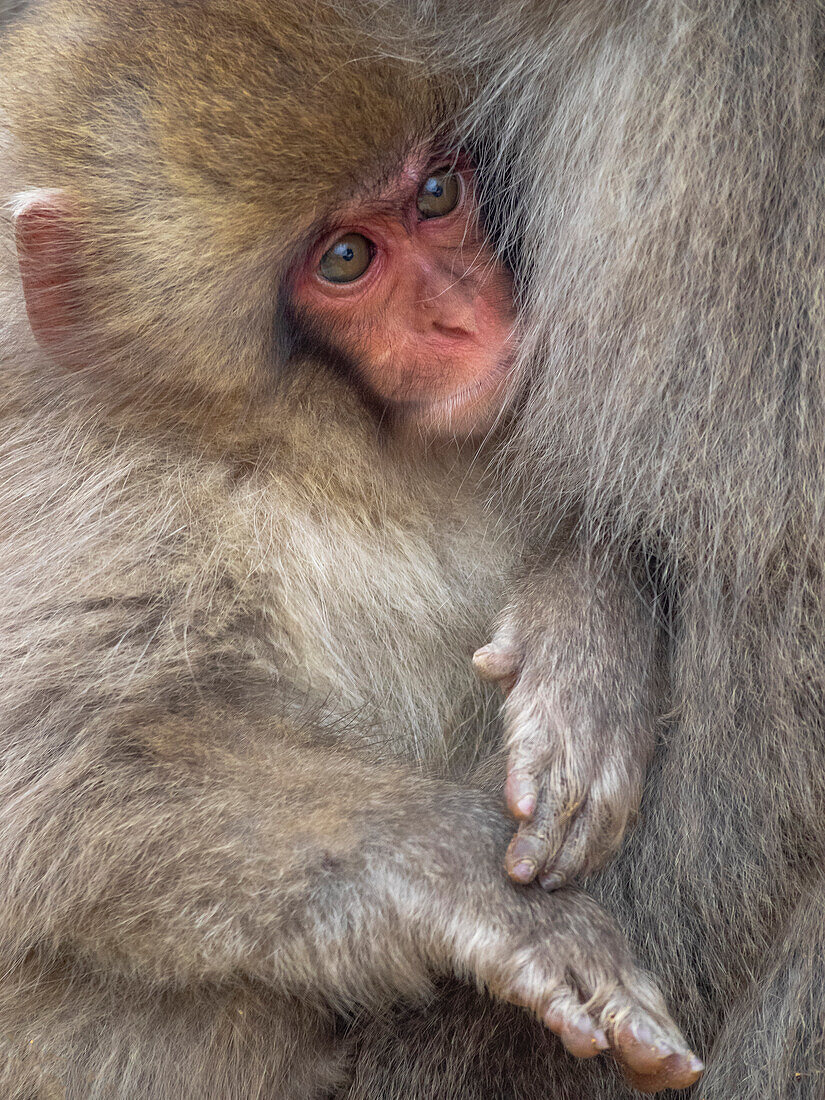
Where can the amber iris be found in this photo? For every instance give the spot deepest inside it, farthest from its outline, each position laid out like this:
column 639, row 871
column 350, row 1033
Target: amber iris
column 347, row 260
column 439, row 193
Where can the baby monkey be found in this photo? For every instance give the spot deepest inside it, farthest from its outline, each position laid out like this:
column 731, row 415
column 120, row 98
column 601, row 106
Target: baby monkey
column 404, row 287
column 237, row 713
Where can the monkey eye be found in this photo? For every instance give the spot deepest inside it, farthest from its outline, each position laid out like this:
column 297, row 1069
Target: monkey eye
column 347, row 259
column 439, row 193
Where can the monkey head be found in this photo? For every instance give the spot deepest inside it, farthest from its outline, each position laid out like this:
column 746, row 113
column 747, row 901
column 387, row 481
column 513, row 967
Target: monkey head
column 186, row 227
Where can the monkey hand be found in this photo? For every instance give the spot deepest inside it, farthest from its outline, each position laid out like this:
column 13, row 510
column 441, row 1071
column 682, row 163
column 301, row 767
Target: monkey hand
column 569, row 964
column 577, row 678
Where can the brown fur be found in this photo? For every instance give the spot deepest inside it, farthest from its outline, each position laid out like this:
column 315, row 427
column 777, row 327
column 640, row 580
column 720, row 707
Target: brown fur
column 661, row 184
column 237, row 712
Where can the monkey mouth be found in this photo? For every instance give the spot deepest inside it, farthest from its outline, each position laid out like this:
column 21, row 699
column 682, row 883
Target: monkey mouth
column 467, row 411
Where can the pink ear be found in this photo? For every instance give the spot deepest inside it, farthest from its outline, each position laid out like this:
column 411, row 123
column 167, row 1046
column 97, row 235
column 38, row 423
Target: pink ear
column 47, row 254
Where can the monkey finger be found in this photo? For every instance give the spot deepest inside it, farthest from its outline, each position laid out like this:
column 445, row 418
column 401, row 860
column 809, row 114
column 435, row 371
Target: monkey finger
column 573, row 857
column 497, row 663
column 674, row 1074
column 567, row 1018
column 534, row 845
column 650, row 1051
column 521, row 791
column 529, row 760
column 525, row 855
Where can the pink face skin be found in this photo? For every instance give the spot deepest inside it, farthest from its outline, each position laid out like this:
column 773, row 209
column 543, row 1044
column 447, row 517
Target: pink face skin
column 430, row 322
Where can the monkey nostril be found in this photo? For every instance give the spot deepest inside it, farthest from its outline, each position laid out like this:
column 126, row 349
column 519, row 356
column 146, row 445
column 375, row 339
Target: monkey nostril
column 454, row 330
column 451, row 315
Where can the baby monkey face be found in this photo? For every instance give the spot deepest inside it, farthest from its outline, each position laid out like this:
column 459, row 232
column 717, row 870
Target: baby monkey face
column 404, row 284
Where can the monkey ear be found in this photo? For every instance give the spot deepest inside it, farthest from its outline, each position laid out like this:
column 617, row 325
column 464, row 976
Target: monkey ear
column 47, row 254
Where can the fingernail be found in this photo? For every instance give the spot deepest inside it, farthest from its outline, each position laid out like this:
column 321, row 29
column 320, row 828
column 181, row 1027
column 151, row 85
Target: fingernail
column 524, row 870
column 526, row 805
column 642, row 1033
column 696, row 1065
column 600, row 1039
column 520, row 791
column 551, row 882
column 481, row 663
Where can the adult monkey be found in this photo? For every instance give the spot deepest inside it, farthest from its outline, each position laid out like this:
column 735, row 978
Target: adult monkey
column 665, row 166
column 236, row 615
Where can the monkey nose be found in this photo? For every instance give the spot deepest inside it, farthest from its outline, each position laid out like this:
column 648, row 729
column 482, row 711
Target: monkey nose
column 450, row 312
